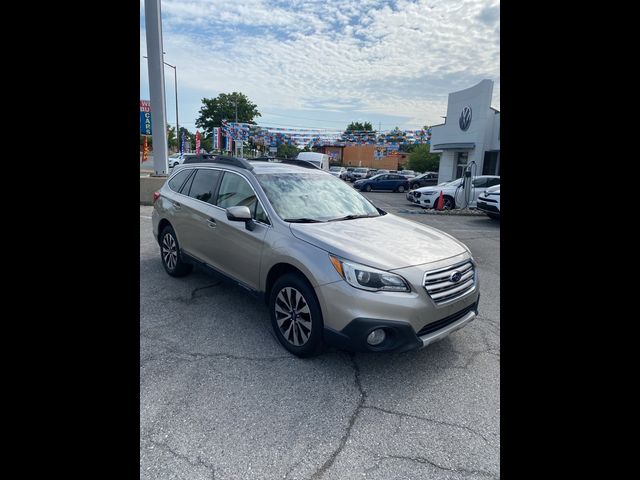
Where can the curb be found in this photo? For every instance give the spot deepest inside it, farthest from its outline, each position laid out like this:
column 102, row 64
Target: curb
column 465, row 212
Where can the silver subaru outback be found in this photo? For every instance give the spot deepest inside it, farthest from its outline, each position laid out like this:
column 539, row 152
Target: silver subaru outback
column 332, row 268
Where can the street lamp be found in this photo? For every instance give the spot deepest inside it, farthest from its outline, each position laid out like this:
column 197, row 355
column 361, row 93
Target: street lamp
column 175, row 82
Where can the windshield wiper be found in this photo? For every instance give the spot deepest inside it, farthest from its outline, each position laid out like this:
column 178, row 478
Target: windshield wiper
column 351, row 217
column 303, row 220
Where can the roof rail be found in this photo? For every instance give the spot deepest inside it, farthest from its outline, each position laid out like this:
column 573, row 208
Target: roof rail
column 300, row 163
column 235, row 161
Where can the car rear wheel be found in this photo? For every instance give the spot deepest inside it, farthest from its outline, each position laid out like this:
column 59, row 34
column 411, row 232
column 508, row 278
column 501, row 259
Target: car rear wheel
column 170, row 254
column 367, row 188
column 400, row 188
column 296, row 316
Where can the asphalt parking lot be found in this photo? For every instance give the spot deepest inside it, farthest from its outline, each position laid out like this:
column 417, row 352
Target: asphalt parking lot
column 220, row 398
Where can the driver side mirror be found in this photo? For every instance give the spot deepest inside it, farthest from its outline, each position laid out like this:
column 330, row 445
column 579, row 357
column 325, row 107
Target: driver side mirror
column 241, row 214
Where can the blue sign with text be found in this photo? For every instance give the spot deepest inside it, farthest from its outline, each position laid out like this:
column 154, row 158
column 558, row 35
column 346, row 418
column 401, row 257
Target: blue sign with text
column 145, row 123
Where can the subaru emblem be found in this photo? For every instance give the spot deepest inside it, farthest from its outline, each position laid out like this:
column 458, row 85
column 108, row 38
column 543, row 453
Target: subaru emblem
column 455, row 277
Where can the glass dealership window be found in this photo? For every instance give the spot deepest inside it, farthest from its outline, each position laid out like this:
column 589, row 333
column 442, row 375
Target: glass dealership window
column 461, row 163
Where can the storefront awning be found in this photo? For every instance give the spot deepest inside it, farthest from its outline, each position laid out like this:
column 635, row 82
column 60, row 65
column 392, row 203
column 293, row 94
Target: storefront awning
column 453, row 146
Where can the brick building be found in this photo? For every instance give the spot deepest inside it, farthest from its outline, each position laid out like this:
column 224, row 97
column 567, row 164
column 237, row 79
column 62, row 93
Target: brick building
column 364, row 156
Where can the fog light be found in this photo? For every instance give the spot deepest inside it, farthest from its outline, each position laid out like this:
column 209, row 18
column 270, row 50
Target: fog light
column 376, row 337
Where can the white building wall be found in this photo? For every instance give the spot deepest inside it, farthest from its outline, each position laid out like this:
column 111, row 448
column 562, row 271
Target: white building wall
column 482, row 132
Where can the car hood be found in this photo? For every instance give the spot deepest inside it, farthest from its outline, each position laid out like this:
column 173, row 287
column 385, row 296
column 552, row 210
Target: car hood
column 387, row 242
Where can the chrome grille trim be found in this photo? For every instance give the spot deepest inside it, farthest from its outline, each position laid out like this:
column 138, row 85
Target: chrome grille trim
column 442, row 290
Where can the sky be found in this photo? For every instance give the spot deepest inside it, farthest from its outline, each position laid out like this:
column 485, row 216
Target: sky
column 323, row 64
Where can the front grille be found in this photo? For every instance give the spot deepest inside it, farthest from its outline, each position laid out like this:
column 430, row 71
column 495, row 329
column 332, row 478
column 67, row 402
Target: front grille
column 442, row 289
column 437, row 325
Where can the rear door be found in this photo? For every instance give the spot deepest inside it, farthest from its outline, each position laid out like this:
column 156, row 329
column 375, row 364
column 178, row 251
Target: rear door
column 198, row 209
column 479, row 187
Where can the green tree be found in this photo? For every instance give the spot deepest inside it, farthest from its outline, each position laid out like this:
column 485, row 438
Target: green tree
column 422, row 160
column 214, row 110
column 358, row 127
column 287, row 151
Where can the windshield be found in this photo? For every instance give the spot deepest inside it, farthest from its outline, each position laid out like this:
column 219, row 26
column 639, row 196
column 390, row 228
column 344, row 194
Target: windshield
column 313, row 196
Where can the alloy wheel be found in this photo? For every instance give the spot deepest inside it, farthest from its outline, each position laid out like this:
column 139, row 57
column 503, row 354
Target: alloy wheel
column 293, row 316
column 169, row 251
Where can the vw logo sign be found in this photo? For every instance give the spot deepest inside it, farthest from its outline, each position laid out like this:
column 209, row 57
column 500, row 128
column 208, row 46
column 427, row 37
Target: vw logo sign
column 455, row 277
column 465, row 118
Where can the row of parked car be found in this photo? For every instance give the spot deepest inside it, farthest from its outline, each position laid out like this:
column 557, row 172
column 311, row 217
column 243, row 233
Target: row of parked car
column 485, row 195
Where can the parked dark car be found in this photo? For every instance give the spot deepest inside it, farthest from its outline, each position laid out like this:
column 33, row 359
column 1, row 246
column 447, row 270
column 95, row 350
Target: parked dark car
column 385, row 181
column 427, row 179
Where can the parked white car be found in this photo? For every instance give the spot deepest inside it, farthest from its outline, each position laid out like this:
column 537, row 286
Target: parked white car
column 452, row 192
column 337, row 171
column 489, row 202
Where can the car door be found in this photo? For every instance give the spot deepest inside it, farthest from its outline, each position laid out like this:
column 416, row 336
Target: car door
column 382, row 183
column 197, row 208
column 233, row 248
column 479, row 187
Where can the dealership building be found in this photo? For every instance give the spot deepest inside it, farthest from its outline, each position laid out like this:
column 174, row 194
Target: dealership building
column 471, row 133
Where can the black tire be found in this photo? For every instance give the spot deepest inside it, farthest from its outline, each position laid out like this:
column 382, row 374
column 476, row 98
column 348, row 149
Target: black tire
column 400, row 189
column 414, row 186
column 170, row 254
column 367, row 188
column 282, row 289
column 448, row 203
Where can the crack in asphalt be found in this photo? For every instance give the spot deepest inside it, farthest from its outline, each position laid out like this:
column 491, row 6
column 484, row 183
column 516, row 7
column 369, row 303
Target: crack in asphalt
column 343, row 441
column 198, row 463
column 426, row 461
column 172, row 349
column 427, row 419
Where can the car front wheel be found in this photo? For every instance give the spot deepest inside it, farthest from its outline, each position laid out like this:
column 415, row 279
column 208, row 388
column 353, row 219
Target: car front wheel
column 415, row 186
column 296, row 316
column 367, row 188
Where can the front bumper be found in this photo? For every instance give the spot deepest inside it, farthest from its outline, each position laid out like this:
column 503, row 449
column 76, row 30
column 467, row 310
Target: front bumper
column 410, row 319
column 487, row 207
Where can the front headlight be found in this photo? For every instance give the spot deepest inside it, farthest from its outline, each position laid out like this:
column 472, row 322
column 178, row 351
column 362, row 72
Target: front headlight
column 368, row 278
column 428, row 193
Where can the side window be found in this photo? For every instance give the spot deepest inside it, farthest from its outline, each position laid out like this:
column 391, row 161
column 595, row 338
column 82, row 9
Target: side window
column 178, row 179
column 204, row 185
column 480, row 183
column 235, row 191
column 493, row 181
column 260, row 214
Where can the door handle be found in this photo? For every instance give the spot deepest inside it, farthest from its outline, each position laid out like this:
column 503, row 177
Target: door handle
column 212, row 223
column 177, row 205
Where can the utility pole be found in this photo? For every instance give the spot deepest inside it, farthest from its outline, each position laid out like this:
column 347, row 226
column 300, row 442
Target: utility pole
column 153, row 24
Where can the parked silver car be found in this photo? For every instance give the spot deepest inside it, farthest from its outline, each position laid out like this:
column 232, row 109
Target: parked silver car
column 332, row 267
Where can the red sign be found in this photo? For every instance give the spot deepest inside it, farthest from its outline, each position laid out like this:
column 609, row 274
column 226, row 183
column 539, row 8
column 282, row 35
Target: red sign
column 197, row 142
column 145, row 106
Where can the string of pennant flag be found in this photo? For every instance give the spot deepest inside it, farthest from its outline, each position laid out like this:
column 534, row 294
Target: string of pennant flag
column 315, row 138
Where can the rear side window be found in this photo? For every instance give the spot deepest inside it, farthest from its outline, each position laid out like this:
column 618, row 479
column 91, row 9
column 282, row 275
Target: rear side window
column 480, row 182
column 204, row 185
column 178, row 179
column 493, row 181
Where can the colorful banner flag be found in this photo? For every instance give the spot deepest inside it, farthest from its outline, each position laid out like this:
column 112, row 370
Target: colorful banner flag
column 197, row 142
column 145, row 151
column 217, row 138
column 182, row 147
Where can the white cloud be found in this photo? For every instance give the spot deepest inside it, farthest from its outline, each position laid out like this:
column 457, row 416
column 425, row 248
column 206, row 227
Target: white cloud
column 395, row 58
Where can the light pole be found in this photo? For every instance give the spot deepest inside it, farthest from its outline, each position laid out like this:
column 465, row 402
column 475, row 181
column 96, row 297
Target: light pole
column 175, row 83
